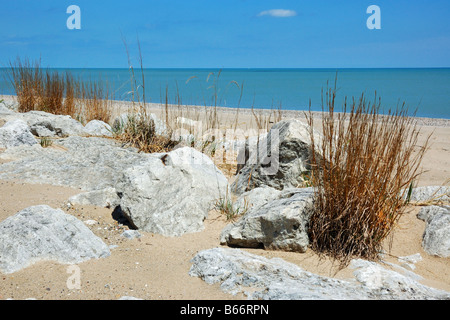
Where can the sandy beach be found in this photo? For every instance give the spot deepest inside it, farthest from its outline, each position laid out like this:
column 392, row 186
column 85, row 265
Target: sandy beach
column 155, row 267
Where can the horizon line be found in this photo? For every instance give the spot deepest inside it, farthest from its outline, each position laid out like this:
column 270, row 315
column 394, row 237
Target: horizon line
column 245, row 68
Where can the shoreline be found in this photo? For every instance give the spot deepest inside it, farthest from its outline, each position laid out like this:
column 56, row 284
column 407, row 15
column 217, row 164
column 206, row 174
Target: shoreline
column 286, row 114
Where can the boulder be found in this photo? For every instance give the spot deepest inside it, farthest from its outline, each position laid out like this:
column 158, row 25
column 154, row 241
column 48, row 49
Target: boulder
column 279, row 160
column 430, row 193
column 42, row 233
column 278, row 224
column 105, row 198
column 43, row 124
column 384, row 284
column 436, row 238
column 89, row 164
column 16, row 133
column 98, row 128
column 5, row 110
column 171, row 193
column 260, row 278
column 243, row 148
column 256, row 197
column 43, row 129
column 52, row 125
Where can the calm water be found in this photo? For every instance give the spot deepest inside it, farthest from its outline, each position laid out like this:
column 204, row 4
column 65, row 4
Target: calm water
column 428, row 90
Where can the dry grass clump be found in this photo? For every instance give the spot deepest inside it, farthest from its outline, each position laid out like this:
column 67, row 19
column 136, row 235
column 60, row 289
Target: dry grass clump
column 139, row 131
column 95, row 100
column 27, row 80
column 61, row 94
column 362, row 170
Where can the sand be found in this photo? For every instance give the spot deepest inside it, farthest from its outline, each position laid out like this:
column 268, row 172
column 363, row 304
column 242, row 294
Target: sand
column 154, row 267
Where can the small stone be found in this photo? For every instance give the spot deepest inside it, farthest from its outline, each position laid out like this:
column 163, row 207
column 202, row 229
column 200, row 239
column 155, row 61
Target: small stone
column 131, row 234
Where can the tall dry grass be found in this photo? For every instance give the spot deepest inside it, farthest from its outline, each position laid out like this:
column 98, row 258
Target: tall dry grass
column 58, row 93
column 27, row 80
column 361, row 171
column 139, row 129
column 95, row 101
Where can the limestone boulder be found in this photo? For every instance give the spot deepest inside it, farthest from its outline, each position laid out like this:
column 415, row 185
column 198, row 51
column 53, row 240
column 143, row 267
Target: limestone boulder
column 42, row 233
column 259, row 278
column 278, row 224
column 279, row 160
column 171, row 193
column 16, row 133
column 436, row 237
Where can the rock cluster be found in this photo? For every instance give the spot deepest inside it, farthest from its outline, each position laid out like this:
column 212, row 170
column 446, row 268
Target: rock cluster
column 257, row 277
column 172, row 193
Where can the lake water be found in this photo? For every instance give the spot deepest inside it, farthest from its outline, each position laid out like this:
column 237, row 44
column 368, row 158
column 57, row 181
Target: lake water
column 427, row 90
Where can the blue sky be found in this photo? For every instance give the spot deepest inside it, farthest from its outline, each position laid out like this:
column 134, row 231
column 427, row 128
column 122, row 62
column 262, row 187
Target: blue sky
column 228, row 33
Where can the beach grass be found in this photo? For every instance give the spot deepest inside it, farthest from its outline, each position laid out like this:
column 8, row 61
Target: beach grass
column 39, row 89
column 362, row 171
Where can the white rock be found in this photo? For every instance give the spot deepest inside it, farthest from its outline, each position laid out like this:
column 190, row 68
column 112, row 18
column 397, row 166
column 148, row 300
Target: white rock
column 238, row 271
column 98, row 128
column 257, row 197
column 131, row 234
column 279, row 160
column 279, row 224
column 42, row 233
column 129, row 298
column 171, row 193
column 436, row 238
column 90, row 222
column 105, row 198
column 55, row 125
column 414, row 258
column 429, row 193
column 90, row 164
column 16, row 133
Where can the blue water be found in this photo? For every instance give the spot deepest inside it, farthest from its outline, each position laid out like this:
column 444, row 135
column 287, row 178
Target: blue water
column 427, row 90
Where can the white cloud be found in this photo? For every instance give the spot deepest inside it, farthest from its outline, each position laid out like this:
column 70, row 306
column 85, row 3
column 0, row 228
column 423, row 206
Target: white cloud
column 278, row 13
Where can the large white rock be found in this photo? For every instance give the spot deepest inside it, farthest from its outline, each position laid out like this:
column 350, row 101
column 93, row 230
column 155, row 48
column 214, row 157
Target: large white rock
column 430, row 193
column 44, row 124
column 259, row 278
column 436, row 237
column 16, row 133
column 278, row 224
column 98, row 128
column 89, row 164
column 42, row 233
column 53, row 125
column 105, row 198
column 279, row 160
column 256, row 197
column 171, row 193
column 5, row 110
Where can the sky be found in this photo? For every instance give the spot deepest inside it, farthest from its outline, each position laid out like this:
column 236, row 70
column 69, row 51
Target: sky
column 227, row 33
